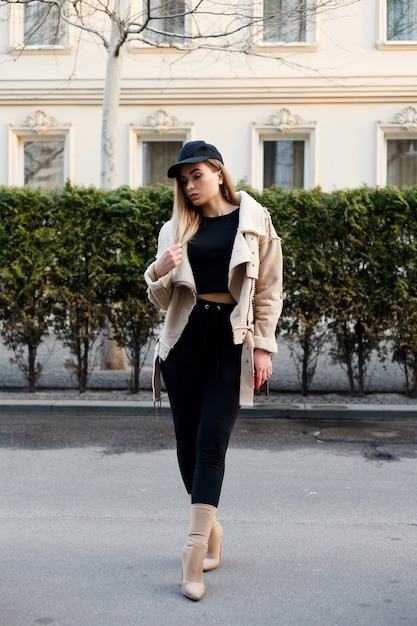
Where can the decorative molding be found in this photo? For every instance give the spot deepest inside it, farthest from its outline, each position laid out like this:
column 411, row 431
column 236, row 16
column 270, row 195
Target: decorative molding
column 272, row 93
column 405, row 119
column 40, row 122
column 161, row 122
column 283, row 121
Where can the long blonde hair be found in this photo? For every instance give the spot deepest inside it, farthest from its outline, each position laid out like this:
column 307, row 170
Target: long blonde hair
column 185, row 216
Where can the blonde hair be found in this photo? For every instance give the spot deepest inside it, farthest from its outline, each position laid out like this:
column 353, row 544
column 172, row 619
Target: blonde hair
column 185, row 216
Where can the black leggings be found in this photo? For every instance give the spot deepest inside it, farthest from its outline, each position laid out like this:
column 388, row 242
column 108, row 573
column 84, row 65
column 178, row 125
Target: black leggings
column 202, row 378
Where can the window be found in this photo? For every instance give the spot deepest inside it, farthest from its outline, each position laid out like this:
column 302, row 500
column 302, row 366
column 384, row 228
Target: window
column 39, row 151
column 397, row 149
column 401, row 20
column 284, row 21
column 38, row 26
column 167, row 24
column 157, row 156
column 43, row 162
column 43, row 26
column 402, row 162
column 284, row 164
column 154, row 146
column 284, row 152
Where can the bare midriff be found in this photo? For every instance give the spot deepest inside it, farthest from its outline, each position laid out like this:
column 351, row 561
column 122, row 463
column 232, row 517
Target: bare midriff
column 221, row 298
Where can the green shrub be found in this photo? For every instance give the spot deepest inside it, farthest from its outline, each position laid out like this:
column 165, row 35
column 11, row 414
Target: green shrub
column 73, row 261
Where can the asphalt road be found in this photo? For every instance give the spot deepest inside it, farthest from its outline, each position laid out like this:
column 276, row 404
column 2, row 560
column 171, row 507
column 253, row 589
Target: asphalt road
column 319, row 518
column 118, row 433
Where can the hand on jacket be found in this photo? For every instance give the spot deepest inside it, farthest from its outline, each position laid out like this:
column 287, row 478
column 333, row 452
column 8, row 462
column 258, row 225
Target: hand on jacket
column 169, row 259
column 263, row 367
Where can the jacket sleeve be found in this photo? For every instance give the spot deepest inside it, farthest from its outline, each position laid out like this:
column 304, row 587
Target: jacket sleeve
column 268, row 297
column 160, row 289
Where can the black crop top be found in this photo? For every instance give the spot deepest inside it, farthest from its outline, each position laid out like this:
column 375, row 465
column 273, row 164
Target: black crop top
column 210, row 250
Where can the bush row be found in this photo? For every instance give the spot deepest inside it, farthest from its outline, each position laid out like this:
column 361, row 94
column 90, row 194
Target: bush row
column 350, row 278
column 72, row 263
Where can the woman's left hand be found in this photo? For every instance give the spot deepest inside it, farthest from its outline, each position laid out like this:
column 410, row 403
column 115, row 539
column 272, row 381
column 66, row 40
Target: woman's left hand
column 263, row 367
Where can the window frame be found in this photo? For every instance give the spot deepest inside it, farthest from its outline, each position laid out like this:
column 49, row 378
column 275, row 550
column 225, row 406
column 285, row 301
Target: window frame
column 284, row 126
column 17, row 34
column 385, row 44
column 137, row 45
column 310, row 43
column 36, row 125
column 402, row 125
column 294, row 163
column 158, row 126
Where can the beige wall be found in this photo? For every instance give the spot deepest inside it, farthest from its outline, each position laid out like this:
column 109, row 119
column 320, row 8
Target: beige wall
column 340, row 88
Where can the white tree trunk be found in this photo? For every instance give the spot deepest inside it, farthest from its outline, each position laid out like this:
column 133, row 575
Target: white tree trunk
column 111, row 98
column 113, row 357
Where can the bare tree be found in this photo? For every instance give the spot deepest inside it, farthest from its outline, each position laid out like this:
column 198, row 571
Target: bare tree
column 213, row 25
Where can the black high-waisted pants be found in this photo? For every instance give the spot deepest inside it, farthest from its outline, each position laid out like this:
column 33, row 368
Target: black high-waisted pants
column 202, row 378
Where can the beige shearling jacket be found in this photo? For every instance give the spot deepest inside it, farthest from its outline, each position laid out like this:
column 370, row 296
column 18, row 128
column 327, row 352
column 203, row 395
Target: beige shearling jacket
column 255, row 282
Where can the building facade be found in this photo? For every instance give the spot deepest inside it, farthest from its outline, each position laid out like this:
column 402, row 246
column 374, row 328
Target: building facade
column 300, row 99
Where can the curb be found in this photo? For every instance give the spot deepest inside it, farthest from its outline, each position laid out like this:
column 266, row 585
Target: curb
column 105, row 408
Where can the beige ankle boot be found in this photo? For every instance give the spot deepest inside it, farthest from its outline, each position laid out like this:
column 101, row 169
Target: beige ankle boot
column 214, row 550
column 194, row 551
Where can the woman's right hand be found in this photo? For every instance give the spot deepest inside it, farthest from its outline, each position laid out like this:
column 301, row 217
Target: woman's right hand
column 168, row 260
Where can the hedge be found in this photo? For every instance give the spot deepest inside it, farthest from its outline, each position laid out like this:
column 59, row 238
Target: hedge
column 72, row 263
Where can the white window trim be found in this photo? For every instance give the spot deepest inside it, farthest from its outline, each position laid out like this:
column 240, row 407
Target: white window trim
column 17, row 36
column 280, row 125
column 402, row 125
column 385, row 44
column 135, row 45
column 159, row 126
column 35, row 125
column 310, row 45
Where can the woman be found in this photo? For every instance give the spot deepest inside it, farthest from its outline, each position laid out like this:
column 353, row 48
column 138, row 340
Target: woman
column 218, row 276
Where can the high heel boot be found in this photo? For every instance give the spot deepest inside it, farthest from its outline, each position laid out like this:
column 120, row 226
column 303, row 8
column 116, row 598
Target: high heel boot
column 214, row 550
column 194, row 551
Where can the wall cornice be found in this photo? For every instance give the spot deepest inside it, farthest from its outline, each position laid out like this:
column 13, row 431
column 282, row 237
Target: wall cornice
column 217, row 92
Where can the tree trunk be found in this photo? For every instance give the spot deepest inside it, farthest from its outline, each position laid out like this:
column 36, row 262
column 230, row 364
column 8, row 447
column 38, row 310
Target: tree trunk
column 305, row 364
column 134, row 381
column 361, row 360
column 111, row 98
column 113, row 357
column 413, row 361
column 32, row 368
column 348, row 355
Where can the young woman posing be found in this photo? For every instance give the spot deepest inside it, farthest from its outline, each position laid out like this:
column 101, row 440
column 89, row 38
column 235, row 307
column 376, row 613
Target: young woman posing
column 218, row 276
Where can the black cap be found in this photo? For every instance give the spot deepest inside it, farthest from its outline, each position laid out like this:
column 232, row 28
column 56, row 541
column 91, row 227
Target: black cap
column 194, row 152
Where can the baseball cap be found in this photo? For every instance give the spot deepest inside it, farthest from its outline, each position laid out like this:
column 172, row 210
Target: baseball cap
column 194, row 152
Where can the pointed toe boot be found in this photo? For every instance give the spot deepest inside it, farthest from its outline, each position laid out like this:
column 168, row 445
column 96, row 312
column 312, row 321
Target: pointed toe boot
column 194, row 551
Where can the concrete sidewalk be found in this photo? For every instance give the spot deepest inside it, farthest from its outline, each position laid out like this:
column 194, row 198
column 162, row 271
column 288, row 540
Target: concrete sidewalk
column 277, row 410
column 57, row 390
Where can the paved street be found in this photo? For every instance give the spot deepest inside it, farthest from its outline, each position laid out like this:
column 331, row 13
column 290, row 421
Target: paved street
column 319, row 518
